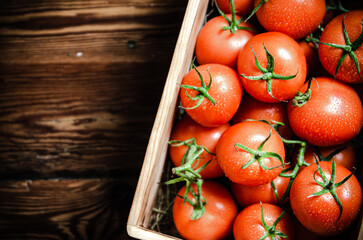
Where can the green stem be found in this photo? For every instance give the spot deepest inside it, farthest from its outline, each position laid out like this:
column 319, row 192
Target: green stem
column 268, row 73
column 202, row 91
column 233, row 24
column 256, row 8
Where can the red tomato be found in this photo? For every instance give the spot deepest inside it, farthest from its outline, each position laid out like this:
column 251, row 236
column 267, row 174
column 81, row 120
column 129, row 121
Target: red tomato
column 320, row 214
column 251, row 108
column 226, row 90
column 217, row 221
column 246, row 195
column 332, row 116
column 330, row 56
column 215, row 45
column 242, row 7
column 289, row 60
column 185, row 129
column 249, row 226
column 295, row 18
column 232, row 158
column 311, row 56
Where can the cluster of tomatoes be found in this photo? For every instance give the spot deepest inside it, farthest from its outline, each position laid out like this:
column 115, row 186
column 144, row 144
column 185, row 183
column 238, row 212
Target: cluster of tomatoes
column 274, row 109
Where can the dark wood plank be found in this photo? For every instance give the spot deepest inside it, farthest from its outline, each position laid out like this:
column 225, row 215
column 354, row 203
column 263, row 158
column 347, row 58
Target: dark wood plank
column 65, row 209
column 80, row 84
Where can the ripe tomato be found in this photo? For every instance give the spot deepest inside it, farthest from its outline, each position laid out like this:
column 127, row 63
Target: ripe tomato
column 217, row 221
column 251, row 108
column 289, row 60
column 242, row 7
column 311, row 56
column 295, row 18
column 332, row 116
column 321, row 214
column 330, row 56
column 246, row 195
column 215, row 45
column 246, row 166
column 249, row 226
column 226, row 90
column 185, row 129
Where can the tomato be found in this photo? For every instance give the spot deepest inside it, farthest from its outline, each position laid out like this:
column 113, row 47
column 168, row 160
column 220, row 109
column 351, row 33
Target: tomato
column 217, row 221
column 215, row 45
column 311, row 55
column 295, row 18
column 207, row 137
column 250, row 167
column 251, row 108
column 321, row 214
column 226, row 90
column 289, row 62
column 332, row 116
column 242, row 7
column 334, row 34
column 246, row 195
column 346, row 157
column 249, row 226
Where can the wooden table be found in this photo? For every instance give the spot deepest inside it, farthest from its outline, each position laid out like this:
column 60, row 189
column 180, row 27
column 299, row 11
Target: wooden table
column 80, row 83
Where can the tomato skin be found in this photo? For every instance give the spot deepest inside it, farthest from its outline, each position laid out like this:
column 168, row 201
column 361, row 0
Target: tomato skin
column 332, row 116
column 217, row 221
column 311, row 56
column 226, row 90
column 242, row 7
column 309, row 210
column 246, row 195
column 295, row 18
column 215, row 45
column 333, row 33
column 250, row 134
column 185, row 129
column 289, row 60
column 251, row 108
column 248, row 224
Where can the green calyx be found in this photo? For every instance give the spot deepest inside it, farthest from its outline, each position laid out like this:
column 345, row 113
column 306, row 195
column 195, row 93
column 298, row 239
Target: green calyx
column 300, row 99
column 258, row 155
column 256, row 8
column 268, row 73
column 189, row 172
column 332, row 6
column 271, row 231
column 202, row 91
column 233, row 24
column 348, row 49
column 329, row 186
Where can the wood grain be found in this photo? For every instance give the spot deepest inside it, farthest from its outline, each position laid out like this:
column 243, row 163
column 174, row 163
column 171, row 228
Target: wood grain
column 80, row 82
column 63, row 209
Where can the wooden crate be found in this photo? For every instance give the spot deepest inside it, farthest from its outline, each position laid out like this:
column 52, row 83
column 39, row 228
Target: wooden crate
column 157, row 147
column 154, row 161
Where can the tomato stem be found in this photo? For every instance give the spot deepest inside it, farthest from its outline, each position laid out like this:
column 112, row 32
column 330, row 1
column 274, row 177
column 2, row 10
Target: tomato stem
column 332, row 6
column 329, row 185
column 271, row 231
column 300, row 99
column 256, row 8
column 258, row 155
column 268, row 73
column 348, row 49
column 202, row 91
column 188, row 172
column 233, row 24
